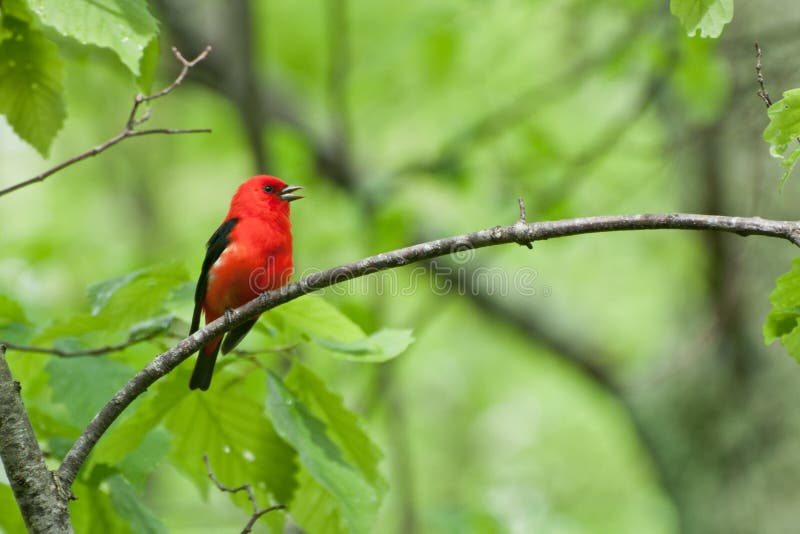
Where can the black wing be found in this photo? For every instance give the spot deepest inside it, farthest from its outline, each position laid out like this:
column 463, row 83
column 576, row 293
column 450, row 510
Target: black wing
column 215, row 246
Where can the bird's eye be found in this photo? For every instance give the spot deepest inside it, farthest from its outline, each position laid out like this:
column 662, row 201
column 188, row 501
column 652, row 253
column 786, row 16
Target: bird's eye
column 268, row 189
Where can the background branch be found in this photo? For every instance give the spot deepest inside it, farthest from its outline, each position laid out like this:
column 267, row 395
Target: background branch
column 130, row 125
column 519, row 233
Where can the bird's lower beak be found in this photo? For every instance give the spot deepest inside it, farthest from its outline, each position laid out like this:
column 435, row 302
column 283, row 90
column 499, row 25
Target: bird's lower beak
column 286, row 193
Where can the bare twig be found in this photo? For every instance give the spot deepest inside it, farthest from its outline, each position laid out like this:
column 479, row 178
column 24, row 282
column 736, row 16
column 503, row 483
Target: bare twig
column 99, row 351
column 762, row 91
column 130, row 125
column 499, row 235
column 257, row 510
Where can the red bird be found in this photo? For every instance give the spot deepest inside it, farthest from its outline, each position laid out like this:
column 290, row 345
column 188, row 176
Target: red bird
column 251, row 252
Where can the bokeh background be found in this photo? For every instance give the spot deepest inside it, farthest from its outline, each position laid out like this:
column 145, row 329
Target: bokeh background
column 630, row 392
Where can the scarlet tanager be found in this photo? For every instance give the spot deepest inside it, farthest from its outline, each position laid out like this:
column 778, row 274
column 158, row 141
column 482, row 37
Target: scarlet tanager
column 251, row 252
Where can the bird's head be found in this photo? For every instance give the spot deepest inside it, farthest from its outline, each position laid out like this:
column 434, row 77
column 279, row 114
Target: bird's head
column 264, row 196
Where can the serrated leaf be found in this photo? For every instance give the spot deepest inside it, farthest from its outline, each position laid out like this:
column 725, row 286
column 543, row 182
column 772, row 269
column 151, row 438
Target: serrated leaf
column 343, row 425
column 84, row 385
column 314, row 316
column 228, row 422
column 151, row 284
column 147, row 66
column 706, row 16
column 314, row 508
column 129, row 506
column 358, row 501
column 31, row 84
column 784, row 318
column 783, row 130
column 125, row 27
column 381, row 346
column 151, row 327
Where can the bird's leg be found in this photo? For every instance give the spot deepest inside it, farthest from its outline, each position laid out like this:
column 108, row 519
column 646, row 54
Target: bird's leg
column 228, row 316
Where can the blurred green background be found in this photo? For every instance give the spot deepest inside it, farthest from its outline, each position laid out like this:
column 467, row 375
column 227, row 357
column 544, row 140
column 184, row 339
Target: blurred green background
column 629, row 392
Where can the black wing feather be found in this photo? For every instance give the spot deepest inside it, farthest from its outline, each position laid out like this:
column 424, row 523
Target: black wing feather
column 214, row 249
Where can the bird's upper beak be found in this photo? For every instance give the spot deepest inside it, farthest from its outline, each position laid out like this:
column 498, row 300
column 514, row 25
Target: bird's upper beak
column 286, row 193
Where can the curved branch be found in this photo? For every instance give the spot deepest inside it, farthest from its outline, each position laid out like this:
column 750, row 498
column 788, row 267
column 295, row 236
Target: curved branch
column 130, row 125
column 520, row 233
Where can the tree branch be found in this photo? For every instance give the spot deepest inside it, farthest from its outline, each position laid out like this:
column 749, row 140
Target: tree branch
column 130, row 125
column 519, row 233
column 257, row 510
column 99, row 351
column 762, row 91
column 43, row 506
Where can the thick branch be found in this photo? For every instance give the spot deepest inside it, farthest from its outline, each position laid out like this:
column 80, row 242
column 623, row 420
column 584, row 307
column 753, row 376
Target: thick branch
column 520, row 233
column 130, row 125
column 43, row 508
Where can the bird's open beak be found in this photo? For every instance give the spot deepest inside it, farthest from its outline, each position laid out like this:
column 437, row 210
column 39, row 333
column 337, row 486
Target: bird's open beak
column 286, row 193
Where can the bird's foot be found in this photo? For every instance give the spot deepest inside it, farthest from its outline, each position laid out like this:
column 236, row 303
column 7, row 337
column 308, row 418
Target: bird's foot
column 228, row 315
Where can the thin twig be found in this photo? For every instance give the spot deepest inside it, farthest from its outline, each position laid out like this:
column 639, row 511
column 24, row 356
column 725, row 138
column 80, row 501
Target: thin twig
column 99, row 351
column 762, row 91
column 130, row 125
column 257, row 510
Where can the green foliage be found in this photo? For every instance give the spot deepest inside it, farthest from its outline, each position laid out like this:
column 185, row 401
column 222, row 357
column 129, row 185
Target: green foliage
column 784, row 318
column 31, row 83
column 10, row 516
column 124, row 27
column 357, row 489
column 705, row 16
column 316, row 319
column 783, row 130
column 129, row 506
column 84, row 385
column 381, row 346
column 32, row 72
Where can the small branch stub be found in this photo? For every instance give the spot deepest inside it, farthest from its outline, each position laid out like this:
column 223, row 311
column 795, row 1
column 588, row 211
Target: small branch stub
column 762, row 90
column 523, row 219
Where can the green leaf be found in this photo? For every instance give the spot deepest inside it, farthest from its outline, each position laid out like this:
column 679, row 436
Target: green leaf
column 139, row 289
column 129, row 506
column 784, row 318
column 344, row 425
column 229, row 424
column 314, row 508
column 381, row 346
column 93, row 512
column 147, row 66
column 315, row 317
column 10, row 516
column 84, row 385
column 11, row 311
column 31, row 84
column 706, row 16
column 17, row 9
column 126, row 27
column 783, row 130
column 357, row 499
